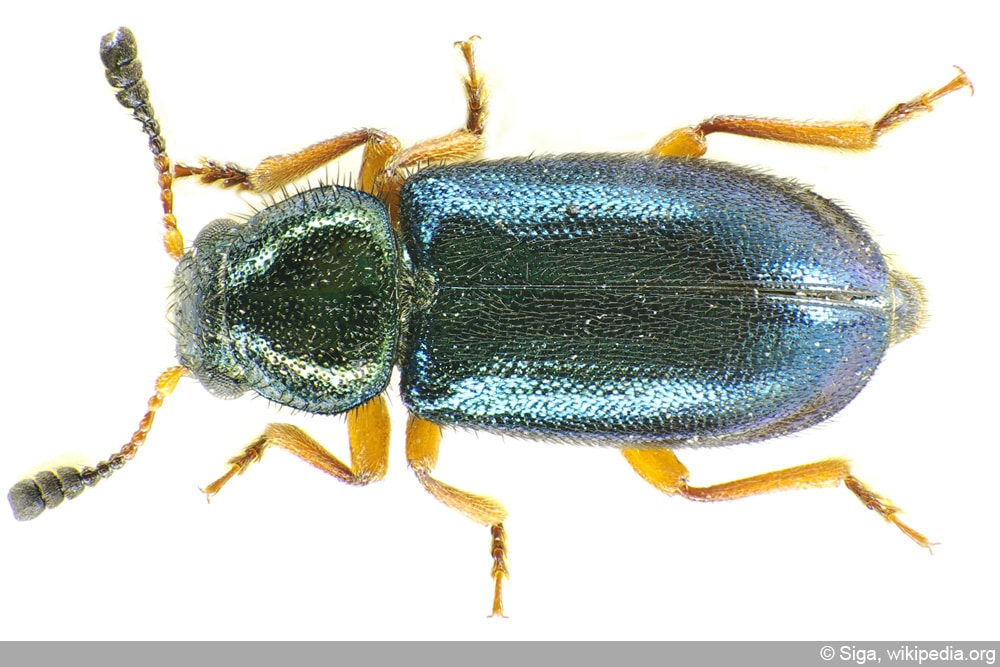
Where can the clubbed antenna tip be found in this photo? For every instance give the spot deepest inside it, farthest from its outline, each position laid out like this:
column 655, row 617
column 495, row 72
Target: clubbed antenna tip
column 123, row 70
column 46, row 490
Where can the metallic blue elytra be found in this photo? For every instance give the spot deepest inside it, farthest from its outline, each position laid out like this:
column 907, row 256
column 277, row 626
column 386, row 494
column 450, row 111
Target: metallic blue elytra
column 620, row 299
column 630, row 299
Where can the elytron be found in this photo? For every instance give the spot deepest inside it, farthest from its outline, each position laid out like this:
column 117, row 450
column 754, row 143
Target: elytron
column 650, row 302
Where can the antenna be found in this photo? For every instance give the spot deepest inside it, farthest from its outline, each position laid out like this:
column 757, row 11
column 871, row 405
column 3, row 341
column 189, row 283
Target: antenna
column 30, row 497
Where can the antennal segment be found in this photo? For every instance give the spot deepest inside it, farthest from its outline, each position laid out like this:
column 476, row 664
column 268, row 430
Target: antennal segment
column 30, row 497
column 124, row 72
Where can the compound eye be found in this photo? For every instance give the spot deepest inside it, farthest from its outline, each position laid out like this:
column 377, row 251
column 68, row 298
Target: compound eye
column 214, row 232
column 219, row 384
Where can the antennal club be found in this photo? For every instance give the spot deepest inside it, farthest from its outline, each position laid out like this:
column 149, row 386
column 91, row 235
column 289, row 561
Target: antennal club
column 30, row 497
column 120, row 56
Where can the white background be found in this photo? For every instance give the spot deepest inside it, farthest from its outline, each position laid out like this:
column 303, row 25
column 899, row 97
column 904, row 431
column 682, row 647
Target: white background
column 595, row 553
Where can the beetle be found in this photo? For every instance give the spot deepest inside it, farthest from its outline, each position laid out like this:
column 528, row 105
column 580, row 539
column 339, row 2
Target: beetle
column 647, row 302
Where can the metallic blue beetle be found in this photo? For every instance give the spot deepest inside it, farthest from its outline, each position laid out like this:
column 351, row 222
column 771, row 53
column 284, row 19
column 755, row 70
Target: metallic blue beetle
column 649, row 302
column 625, row 299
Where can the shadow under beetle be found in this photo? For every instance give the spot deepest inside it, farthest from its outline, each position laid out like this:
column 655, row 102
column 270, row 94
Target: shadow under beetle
column 648, row 302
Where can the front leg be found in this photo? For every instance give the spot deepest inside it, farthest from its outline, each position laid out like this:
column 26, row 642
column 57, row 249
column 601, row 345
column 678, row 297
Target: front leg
column 367, row 427
column 383, row 156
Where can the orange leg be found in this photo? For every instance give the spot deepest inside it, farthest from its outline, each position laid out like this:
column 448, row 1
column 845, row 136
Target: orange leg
column 464, row 143
column 368, row 430
column 383, row 156
column 423, row 440
column 691, row 141
column 662, row 469
column 278, row 170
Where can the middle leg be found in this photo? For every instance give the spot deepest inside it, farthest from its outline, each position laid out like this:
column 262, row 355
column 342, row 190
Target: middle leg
column 423, row 440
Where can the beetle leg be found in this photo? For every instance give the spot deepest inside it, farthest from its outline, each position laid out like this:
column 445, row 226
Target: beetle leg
column 662, row 469
column 464, row 143
column 475, row 89
column 690, row 141
column 423, row 440
column 226, row 174
column 278, row 170
column 368, row 431
column 380, row 149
